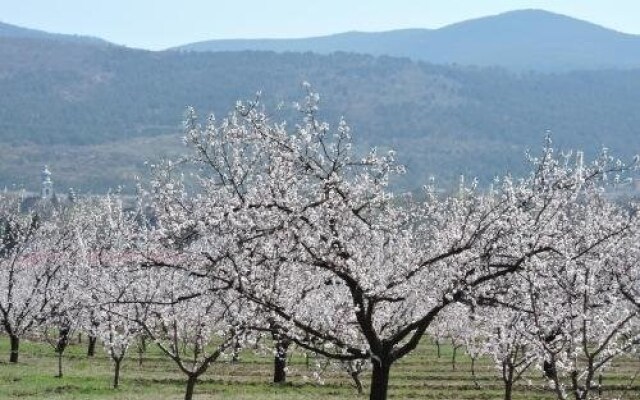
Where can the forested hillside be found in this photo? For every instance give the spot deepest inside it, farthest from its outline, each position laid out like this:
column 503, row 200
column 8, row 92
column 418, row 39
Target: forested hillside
column 95, row 113
column 13, row 31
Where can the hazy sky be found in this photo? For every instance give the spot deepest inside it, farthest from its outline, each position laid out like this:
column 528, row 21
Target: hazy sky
column 157, row 24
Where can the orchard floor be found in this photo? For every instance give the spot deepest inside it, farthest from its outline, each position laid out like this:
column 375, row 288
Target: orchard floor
column 420, row 376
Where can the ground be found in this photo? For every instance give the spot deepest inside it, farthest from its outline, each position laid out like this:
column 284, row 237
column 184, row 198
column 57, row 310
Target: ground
column 420, row 376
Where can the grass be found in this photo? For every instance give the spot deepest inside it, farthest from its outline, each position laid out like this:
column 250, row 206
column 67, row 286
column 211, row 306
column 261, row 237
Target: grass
column 420, row 376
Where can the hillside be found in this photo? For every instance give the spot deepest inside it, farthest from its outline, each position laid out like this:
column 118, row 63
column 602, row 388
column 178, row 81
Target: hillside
column 520, row 40
column 13, row 31
column 96, row 113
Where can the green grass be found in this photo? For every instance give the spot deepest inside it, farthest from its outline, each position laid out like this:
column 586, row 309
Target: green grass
column 420, row 376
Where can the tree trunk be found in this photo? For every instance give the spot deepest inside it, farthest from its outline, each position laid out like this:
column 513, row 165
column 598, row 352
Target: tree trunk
column 551, row 373
column 438, row 347
column 279, row 372
column 116, row 372
column 508, row 390
column 473, row 372
column 280, row 362
column 91, row 349
column 59, row 365
column 453, row 358
column 356, row 380
column 575, row 386
column 236, row 351
column 15, row 348
column 142, row 349
column 63, row 341
column 191, row 384
column 508, row 370
column 379, row 380
column 600, row 385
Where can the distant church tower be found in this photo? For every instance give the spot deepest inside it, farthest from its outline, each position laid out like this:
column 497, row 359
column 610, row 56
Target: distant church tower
column 47, row 184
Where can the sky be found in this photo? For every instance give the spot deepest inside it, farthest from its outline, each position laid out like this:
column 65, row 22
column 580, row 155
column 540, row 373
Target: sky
column 159, row 24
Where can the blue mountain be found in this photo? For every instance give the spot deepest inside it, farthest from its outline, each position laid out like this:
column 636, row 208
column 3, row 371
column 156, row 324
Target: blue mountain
column 520, row 40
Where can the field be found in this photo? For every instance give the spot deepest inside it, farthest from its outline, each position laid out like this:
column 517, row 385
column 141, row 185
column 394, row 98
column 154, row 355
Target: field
column 420, row 376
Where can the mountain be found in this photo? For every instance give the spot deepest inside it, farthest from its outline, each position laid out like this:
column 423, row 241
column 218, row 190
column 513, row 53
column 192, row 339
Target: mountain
column 519, row 40
column 13, row 31
column 95, row 114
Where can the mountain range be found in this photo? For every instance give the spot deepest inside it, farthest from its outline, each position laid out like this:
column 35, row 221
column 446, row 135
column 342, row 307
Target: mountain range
column 520, row 40
column 95, row 111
